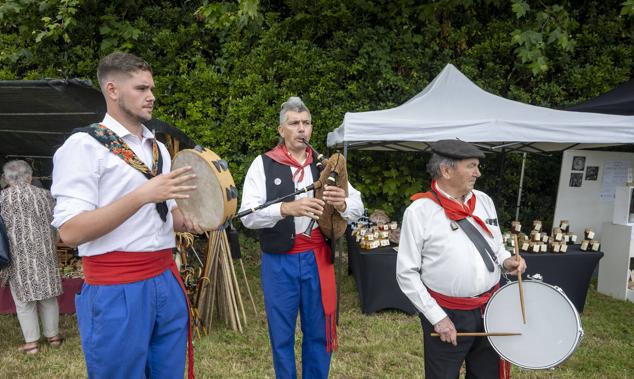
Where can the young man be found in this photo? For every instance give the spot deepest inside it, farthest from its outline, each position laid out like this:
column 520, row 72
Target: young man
column 449, row 262
column 297, row 274
column 115, row 201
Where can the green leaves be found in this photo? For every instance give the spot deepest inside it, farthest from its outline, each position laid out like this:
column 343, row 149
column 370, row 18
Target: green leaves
column 118, row 34
column 627, row 8
column 222, row 68
column 542, row 34
column 520, row 8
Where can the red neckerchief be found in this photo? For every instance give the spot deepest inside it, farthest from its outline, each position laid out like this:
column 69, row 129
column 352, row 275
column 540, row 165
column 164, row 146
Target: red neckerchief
column 281, row 155
column 327, row 281
column 453, row 209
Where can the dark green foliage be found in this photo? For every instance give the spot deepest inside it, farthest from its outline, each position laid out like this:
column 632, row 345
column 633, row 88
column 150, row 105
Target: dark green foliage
column 222, row 69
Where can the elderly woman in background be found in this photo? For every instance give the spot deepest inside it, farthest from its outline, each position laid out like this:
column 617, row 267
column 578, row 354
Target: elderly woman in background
column 33, row 274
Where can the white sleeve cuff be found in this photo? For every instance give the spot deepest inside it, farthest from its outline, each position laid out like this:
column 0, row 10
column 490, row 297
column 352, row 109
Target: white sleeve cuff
column 434, row 314
column 275, row 211
column 67, row 208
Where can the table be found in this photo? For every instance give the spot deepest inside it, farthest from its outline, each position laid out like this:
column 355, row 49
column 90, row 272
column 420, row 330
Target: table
column 375, row 275
column 571, row 271
column 71, row 286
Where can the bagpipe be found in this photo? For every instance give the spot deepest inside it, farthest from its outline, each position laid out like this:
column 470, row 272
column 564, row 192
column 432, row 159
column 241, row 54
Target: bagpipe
column 333, row 172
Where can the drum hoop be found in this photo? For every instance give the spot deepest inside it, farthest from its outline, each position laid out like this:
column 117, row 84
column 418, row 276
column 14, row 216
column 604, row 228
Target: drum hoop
column 224, row 178
column 560, row 292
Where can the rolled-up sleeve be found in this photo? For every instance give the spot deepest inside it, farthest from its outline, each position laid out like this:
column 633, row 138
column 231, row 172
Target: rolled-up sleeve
column 75, row 178
column 354, row 205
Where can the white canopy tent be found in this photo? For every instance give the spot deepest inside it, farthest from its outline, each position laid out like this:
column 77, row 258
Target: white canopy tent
column 452, row 106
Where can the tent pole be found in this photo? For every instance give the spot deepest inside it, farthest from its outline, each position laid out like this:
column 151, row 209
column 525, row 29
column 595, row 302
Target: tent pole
column 519, row 191
column 501, row 169
column 345, row 150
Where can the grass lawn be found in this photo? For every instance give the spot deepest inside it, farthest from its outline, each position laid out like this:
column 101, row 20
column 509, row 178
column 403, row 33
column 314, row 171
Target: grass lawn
column 383, row 345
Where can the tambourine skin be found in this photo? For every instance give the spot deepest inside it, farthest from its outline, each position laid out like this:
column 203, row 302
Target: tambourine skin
column 215, row 199
column 552, row 331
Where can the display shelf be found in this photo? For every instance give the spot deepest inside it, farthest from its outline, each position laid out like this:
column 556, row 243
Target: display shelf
column 618, row 245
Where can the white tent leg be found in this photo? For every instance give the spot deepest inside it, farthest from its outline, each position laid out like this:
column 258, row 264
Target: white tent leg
column 519, row 191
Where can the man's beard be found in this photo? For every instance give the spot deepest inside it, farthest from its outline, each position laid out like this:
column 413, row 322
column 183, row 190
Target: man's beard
column 137, row 117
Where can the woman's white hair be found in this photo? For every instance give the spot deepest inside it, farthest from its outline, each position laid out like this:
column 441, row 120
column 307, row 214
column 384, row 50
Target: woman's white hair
column 17, row 172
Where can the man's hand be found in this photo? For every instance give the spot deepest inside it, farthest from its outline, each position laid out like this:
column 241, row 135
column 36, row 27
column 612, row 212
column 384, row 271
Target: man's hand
column 447, row 331
column 167, row 186
column 514, row 264
column 185, row 223
column 335, row 196
column 90, row 225
column 308, row 206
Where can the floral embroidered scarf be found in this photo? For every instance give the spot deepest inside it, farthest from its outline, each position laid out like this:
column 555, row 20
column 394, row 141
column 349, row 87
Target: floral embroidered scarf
column 111, row 141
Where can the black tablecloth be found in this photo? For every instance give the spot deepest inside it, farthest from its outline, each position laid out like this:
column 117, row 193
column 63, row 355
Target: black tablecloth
column 571, row 271
column 375, row 275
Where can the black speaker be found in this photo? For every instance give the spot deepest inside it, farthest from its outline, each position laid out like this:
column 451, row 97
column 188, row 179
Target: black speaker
column 234, row 242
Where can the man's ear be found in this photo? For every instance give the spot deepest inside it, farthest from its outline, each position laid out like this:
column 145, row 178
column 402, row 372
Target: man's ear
column 445, row 171
column 110, row 89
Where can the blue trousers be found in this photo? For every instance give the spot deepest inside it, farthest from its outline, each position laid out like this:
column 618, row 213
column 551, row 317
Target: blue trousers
column 136, row 330
column 291, row 284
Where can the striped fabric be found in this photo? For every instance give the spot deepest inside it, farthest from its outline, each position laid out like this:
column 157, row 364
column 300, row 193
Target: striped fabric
column 28, row 212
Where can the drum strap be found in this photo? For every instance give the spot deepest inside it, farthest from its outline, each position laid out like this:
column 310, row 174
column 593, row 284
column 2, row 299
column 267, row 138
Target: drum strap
column 480, row 243
column 111, row 141
column 458, row 215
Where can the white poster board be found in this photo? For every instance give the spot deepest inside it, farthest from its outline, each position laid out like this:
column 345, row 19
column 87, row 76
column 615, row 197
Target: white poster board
column 587, row 184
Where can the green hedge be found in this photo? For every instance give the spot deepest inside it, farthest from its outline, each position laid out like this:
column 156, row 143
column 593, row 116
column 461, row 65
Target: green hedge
column 223, row 68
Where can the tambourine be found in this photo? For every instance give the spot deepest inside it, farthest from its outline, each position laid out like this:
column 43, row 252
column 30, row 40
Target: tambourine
column 215, row 199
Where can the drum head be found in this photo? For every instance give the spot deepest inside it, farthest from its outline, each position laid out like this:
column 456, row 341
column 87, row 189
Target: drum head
column 552, row 330
column 206, row 204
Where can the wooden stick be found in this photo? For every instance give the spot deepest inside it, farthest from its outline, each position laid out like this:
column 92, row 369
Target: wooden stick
column 234, row 294
column 481, row 334
column 244, row 273
column 211, row 252
column 519, row 277
column 232, row 306
column 233, row 276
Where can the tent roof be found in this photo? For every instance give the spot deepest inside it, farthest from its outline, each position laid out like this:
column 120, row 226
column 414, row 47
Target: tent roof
column 36, row 116
column 452, row 106
column 617, row 101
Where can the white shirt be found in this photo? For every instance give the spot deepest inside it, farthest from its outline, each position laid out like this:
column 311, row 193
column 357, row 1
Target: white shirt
column 254, row 194
column 87, row 176
column 431, row 254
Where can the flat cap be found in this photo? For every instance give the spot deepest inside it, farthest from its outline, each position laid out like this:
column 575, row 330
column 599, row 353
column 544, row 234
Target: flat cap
column 456, row 149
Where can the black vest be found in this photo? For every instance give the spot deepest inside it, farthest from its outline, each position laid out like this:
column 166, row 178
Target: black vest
column 279, row 182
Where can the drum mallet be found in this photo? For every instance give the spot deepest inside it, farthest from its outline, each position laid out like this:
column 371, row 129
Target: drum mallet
column 516, row 250
column 480, row 334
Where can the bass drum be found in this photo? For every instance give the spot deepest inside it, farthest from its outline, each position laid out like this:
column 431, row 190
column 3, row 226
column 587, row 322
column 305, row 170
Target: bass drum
column 552, row 331
column 215, row 199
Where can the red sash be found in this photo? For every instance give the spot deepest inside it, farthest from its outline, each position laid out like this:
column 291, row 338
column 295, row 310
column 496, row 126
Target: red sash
column 467, row 304
column 463, row 303
column 327, row 282
column 123, row 267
